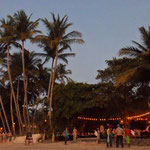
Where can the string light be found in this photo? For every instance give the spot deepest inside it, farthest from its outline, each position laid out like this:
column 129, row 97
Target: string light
column 96, row 119
column 138, row 116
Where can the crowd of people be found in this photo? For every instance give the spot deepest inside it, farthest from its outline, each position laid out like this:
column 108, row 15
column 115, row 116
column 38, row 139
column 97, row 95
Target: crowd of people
column 66, row 135
column 109, row 134
column 118, row 134
column 5, row 137
column 112, row 135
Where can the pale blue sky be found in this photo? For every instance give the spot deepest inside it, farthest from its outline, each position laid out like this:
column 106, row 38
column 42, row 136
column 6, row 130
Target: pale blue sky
column 106, row 25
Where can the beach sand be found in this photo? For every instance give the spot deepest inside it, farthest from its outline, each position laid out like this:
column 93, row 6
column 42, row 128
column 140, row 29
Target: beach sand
column 69, row 146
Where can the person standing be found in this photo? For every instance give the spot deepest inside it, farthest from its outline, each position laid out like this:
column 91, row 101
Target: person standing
column 109, row 134
column 102, row 131
column 4, row 137
column 9, row 137
column 66, row 135
column 74, row 134
column 127, row 132
column 98, row 136
column 53, row 136
column 119, row 136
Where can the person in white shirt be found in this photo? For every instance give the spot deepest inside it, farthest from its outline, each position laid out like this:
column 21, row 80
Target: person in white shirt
column 74, row 134
column 119, row 134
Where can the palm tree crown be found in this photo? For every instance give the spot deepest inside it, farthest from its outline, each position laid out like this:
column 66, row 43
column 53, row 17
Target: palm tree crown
column 141, row 55
column 25, row 29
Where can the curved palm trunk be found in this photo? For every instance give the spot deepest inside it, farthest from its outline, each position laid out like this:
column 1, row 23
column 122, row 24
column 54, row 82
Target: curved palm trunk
column 12, row 117
column 50, row 79
column 52, row 86
column 2, row 121
column 5, row 115
column 12, row 89
column 25, row 108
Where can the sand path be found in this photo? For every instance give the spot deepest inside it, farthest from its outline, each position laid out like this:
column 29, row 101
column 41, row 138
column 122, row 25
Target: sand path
column 69, row 146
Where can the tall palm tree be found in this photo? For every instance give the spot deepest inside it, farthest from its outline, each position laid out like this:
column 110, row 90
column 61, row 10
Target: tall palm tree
column 31, row 64
column 25, row 29
column 57, row 38
column 7, row 36
column 41, row 79
column 139, row 70
column 50, row 54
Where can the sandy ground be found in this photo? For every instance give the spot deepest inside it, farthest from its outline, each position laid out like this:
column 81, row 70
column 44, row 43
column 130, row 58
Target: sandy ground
column 69, row 146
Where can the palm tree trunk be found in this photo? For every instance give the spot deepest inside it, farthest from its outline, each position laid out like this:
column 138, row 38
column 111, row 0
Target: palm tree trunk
column 17, row 101
column 24, row 113
column 1, row 102
column 38, row 99
column 18, row 92
column 52, row 86
column 27, row 111
column 12, row 89
column 25, row 89
column 2, row 121
column 50, row 79
column 12, row 117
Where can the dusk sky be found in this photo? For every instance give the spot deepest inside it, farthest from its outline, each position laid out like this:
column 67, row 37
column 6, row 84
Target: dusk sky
column 106, row 25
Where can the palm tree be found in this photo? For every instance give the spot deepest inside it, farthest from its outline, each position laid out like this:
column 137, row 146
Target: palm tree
column 61, row 73
column 41, row 79
column 57, row 38
column 50, row 54
column 7, row 36
column 139, row 69
column 25, row 29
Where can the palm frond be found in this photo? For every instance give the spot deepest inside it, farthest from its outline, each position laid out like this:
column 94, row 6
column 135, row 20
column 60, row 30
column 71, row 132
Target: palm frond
column 131, row 51
column 72, row 34
column 64, row 57
column 145, row 37
column 140, row 46
column 124, row 77
column 65, row 47
column 71, row 41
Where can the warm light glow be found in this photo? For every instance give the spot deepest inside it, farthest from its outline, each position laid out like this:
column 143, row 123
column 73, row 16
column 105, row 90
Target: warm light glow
column 95, row 119
column 45, row 120
column 138, row 116
column 121, row 121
